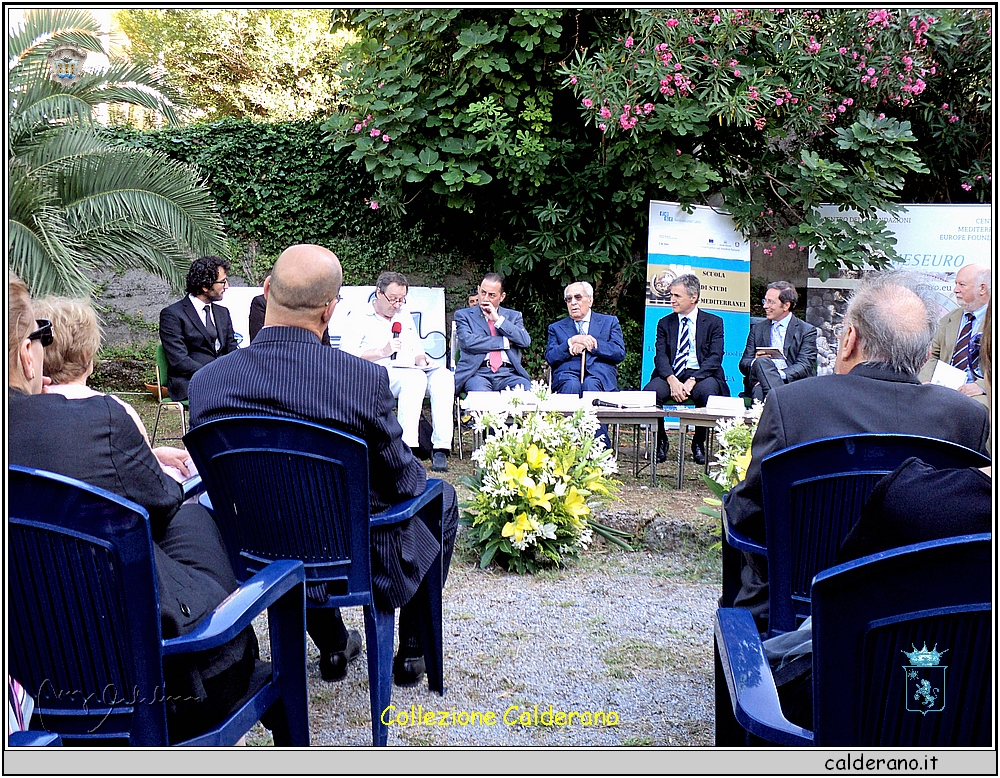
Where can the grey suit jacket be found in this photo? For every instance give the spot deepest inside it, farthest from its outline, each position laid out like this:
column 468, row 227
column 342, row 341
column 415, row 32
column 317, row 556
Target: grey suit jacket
column 286, row 371
column 943, row 348
column 800, row 347
column 475, row 341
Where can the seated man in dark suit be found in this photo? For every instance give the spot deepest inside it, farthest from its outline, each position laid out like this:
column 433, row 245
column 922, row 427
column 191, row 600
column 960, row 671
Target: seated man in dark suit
column 783, row 330
column 195, row 331
column 348, row 394
column 258, row 310
column 688, row 364
column 490, row 339
column 887, row 332
column 598, row 336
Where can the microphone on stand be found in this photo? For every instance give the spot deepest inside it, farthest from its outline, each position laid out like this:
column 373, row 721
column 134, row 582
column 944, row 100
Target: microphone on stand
column 396, row 329
column 603, row 404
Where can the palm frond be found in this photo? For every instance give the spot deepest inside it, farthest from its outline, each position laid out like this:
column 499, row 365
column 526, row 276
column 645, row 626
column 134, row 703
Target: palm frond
column 41, row 29
column 130, row 245
column 60, row 150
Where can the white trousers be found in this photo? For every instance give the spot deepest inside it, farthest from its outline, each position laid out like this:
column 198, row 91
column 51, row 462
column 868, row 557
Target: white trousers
column 409, row 386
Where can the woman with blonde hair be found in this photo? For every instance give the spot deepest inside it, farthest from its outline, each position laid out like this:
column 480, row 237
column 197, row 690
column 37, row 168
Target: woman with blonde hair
column 69, row 362
column 93, row 439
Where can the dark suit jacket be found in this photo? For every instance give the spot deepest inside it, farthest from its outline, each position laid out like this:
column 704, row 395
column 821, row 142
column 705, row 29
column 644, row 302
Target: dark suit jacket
column 187, row 346
column 286, row 371
column 475, row 341
column 95, row 440
column 800, row 347
column 710, row 345
column 601, row 362
column 871, row 398
column 258, row 309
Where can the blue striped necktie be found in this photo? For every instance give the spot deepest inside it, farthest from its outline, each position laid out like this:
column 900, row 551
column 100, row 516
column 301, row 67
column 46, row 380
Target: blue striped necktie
column 683, row 347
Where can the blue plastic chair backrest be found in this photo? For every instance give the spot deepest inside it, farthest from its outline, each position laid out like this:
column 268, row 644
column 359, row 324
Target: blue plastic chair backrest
column 813, row 494
column 288, row 489
column 83, row 615
column 867, row 613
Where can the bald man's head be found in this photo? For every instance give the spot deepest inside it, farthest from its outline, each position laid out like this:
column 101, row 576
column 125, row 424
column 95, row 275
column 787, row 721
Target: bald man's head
column 305, row 280
column 894, row 324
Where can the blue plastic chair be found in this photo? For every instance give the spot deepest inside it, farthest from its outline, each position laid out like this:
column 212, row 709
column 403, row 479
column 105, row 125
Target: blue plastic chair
column 813, row 494
column 84, row 619
column 290, row 489
column 867, row 615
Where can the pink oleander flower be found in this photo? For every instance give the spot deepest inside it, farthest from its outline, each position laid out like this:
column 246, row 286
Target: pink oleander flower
column 848, row 101
column 386, row 138
column 952, row 119
column 967, row 187
column 587, row 102
column 759, row 122
column 602, row 127
column 358, row 127
column 716, row 19
column 647, row 108
column 873, row 83
column 677, row 66
column 792, row 244
column 736, row 73
column 373, row 204
column 842, row 50
column 627, row 122
column 794, row 100
column 672, row 22
column 841, row 109
column 881, row 116
column 678, row 152
column 870, row 71
column 779, row 101
column 375, row 132
column 572, row 79
column 769, row 252
column 690, row 39
column 605, row 113
column 628, row 42
column 813, row 47
column 944, row 106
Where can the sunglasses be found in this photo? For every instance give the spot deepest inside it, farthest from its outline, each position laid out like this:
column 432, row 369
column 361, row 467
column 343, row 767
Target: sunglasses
column 43, row 333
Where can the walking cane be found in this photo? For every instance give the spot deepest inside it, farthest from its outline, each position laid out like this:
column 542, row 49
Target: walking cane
column 583, row 369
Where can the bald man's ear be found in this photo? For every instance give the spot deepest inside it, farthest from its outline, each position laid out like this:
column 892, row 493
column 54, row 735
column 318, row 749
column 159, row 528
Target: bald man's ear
column 328, row 310
column 267, row 286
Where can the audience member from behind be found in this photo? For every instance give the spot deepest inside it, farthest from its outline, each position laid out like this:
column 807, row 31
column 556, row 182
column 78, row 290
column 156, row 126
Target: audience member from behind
column 195, row 331
column 345, row 393
column 913, row 504
column 956, row 336
column 887, row 331
column 69, row 361
column 490, row 339
column 93, row 439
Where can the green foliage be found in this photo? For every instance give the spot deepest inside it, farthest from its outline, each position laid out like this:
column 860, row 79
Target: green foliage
column 267, row 63
column 78, row 201
column 630, row 368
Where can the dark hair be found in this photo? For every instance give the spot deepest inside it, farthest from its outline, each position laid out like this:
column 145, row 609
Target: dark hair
column 203, row 272
column 495, row 278
column 786, row 292
column 387, row 278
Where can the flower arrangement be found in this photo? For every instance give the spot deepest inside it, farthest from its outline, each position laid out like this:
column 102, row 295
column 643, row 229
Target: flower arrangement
column 539, row 476
column 734, row 437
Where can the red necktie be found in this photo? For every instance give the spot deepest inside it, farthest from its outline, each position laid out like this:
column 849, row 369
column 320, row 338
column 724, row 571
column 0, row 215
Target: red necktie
column 495, row 357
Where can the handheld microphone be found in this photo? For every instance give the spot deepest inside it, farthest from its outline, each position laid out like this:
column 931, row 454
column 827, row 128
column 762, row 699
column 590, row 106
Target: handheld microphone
column 396, row 329
column 603, row 404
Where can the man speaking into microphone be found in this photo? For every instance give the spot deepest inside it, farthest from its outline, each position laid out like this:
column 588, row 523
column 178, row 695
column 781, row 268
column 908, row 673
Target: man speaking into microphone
column 383, row 332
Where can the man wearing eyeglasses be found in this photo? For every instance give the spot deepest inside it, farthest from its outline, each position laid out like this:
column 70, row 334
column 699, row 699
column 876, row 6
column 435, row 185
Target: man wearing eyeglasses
column 490, row 339
column 956, row 341
column 585, row 341
column 383, row 332
column 793, row 341
column 195, row 331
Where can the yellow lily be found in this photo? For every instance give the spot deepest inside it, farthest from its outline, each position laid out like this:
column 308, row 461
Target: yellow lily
column 517, row 528
column 576, row 506
column 536, row 457
column 538, row 498
column 742, row 463
column 517, row 475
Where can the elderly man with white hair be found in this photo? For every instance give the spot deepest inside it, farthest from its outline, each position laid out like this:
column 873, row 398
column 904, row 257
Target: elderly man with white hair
column 956, row 340
column 584, row 340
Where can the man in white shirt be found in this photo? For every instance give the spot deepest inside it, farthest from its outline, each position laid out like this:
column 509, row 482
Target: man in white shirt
column 956, row 340
column 370, row 333
column 782, row 330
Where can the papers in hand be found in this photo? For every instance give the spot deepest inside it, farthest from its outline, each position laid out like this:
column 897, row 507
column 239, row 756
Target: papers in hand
column 948, row 375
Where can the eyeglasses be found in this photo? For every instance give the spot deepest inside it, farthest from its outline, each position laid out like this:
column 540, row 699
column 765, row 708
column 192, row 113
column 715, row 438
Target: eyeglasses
column 43, row 333
column 393, row 300
column 765, row 301
column 571, row 297
column 224, row 282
